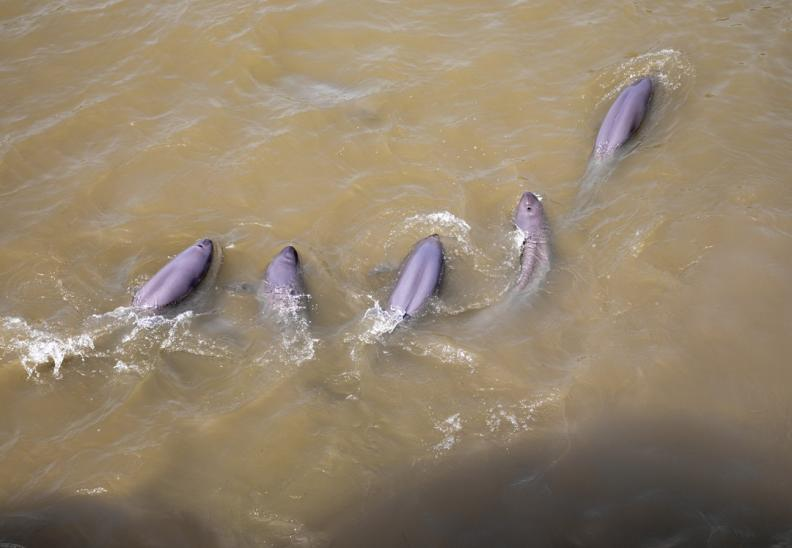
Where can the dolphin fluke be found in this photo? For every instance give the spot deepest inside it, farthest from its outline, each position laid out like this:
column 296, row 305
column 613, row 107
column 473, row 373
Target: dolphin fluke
column 177, row 279
column 419, row 276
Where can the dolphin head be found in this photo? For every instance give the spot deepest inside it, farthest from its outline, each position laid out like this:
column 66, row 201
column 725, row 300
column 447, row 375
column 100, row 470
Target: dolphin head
column 529, row 214
column 204, row 248
column 289, row 255
column 284, row 270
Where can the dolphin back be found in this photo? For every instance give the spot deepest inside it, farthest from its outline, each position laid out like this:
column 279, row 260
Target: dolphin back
column 419, row 276
column 177, row 279
column 624, row 117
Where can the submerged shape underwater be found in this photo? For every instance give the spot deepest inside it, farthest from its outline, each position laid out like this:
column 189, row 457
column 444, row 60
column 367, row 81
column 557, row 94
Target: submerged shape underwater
column 612, row 372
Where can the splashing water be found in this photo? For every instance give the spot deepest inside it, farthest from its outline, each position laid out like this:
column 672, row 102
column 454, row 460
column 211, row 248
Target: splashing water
column 375, row 323
column 36, row 347
column 450, row 428
column 446, row 352
column 289, row 313
column 669, row 67
column 448, row 225
column 521, row 416
column 130, row 337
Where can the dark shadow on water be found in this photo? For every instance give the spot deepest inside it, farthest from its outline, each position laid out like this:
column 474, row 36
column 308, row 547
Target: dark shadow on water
column 637, row 482
column 617, row 483
column 101, row 521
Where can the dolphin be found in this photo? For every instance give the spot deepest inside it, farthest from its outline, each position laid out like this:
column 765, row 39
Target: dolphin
column 177, row 279
column 283, row 280
column 529, row 218
column 624, row 117
column 419, row 277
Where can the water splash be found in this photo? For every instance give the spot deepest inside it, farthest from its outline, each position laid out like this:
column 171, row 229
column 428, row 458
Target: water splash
column 445, row 223
column 376, row 323
column 289, row 314
column 131, row 338
column 444, row 351
column 450, row 428
column 35, row 347
column 520, row 416
column 669, row 67
column 455, row 227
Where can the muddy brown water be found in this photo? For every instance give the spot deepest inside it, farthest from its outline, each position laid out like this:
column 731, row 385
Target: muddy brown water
column 641, row 396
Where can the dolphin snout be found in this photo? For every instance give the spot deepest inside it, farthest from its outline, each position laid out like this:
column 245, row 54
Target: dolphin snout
column 289, row 253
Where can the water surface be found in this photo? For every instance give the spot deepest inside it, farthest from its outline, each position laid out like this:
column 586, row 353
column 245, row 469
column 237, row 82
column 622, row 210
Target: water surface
column 642, row 395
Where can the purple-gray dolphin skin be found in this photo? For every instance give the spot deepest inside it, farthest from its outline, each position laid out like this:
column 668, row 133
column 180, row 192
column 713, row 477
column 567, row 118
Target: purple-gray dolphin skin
column 529, row 217
column 284, row 275
column 419, row 277
column 624, row 117
column 177, row 279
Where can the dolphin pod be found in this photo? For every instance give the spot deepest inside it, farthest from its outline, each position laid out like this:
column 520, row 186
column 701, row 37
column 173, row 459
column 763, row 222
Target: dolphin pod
column 421, row 272
column 177, row 279
column 419, row 277
column 530, row 219
column 624, row 117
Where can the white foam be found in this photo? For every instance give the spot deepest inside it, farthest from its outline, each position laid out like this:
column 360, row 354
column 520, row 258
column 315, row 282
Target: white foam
column 378, row 322
column 444, row 223
column 92, row 491
column 450, row 428
column 518, row 417
column 289, row 313
column 126, row 335
column 36, row 347
column 445, row 352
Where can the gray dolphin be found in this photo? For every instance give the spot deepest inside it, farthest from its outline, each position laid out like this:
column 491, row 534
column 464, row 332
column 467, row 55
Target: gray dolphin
column 283, row 278
column 419, row 277
column 530, row 219
column 624, row 117
column 177, row 279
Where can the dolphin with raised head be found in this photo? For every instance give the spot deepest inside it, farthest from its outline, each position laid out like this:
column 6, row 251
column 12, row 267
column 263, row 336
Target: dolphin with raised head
column 624, row 117
column 419, row 277
column 283, row 280
column 530, row 219
column 177, row 279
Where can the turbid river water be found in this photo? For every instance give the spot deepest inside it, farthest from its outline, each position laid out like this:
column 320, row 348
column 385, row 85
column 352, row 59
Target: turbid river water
column 641, row 395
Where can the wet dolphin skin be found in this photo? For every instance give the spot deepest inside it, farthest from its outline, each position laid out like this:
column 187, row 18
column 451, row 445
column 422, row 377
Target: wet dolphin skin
column 284, row 274
column 177, row 279
column 530, row 219
column 624, row 117
column 419, row 277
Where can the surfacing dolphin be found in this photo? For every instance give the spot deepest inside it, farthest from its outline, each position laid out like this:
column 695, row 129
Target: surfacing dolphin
column 177, row 279
column 419, row 277
column 624, row 117
column 283, row 281
column 530, row 219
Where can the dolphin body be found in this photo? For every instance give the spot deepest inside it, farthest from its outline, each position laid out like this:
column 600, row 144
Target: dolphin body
column 283, row 280
column 530, row 219
column 624, row 117
column 419, row 277
column 177, row 279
